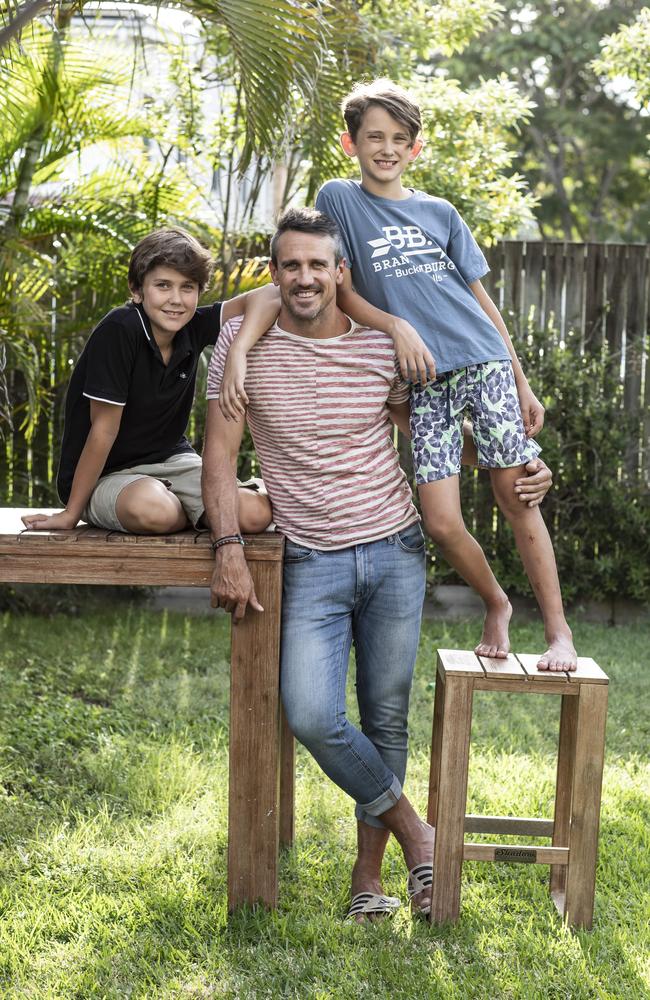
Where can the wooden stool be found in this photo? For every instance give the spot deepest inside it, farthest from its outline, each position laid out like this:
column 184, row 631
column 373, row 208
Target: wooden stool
column 574, row 829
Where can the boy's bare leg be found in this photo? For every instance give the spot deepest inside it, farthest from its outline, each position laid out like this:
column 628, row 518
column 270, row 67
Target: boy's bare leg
column 147, row 507
column 366, row 873
column 443, row 520
column 536, row 551
column 254, row 512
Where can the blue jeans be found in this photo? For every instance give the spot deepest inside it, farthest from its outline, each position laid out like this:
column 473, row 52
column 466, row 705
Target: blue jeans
column 371, row 595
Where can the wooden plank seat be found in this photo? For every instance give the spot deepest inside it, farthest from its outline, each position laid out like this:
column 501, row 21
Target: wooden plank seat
column 572, row 853
column 260, row 806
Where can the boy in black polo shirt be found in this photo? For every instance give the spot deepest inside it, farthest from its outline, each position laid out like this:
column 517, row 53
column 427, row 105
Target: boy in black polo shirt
column 125, row 462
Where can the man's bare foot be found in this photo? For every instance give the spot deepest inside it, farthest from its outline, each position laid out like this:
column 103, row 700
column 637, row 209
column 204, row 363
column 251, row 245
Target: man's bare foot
column 560, row 655
column 495, row 641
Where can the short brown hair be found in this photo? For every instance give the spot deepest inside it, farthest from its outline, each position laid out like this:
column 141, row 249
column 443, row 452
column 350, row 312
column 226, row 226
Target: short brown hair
column 170, row 248
column 307, row 220
column 387, row 95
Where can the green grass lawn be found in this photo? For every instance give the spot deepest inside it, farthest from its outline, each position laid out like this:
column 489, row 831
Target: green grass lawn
column 113, row 797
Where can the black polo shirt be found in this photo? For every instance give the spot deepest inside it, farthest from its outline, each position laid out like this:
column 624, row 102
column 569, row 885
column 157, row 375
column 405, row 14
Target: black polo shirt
column 122, row 364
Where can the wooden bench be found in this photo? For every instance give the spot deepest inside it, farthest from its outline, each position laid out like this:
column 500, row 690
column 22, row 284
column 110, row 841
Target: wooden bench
column 574, row 828
column 261, row 748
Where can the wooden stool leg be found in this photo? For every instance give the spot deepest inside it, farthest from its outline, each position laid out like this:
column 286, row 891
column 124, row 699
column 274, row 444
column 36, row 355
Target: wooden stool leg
column 253, row 814
column 563, row 790
column 585, row 805
column 451, row 799
column 436, row 744
column 287, row 776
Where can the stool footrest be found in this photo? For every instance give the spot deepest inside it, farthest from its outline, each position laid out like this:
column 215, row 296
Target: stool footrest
column 509, row 825
column 527, row 854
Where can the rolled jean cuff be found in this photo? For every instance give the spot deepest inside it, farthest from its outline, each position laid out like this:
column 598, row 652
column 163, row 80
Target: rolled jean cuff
column 370, row 812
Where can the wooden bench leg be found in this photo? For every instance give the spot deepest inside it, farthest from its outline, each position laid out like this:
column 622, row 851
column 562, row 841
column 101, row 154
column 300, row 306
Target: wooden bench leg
column 436, row 744
column 451, row 798
column 585, row 804
column 287, row 776
column 253, row 813
column 563, row 792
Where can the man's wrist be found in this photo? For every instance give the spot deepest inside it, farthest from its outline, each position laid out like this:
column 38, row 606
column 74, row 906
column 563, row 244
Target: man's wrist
column 233, row 539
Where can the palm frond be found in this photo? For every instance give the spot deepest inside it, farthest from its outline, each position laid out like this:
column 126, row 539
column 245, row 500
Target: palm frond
column 277, row 47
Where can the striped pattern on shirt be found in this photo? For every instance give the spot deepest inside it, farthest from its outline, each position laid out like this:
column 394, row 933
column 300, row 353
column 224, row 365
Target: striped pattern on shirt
column 320, row 425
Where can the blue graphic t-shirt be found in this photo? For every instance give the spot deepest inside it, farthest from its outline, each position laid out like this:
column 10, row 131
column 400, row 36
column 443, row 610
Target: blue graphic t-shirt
column 415, row 258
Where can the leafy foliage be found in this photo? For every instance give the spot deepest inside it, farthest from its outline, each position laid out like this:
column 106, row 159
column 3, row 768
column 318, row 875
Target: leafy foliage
column 627, row 54
column 584, row 149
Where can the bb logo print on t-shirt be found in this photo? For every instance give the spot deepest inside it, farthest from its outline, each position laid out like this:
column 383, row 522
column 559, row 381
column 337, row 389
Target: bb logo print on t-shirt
column 413, row 243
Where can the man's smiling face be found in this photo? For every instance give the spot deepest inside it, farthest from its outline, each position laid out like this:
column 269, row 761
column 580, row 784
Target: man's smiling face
column 307, row 274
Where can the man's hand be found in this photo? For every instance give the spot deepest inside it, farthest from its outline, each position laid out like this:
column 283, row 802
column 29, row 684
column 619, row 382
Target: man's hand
column 414, row 357
column 535, row 485
column 50, row 522
column 532, row 410
column 232, row 395
column 232, row 585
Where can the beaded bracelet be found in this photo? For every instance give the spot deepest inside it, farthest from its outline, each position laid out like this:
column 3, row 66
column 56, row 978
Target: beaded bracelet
column 227, row 540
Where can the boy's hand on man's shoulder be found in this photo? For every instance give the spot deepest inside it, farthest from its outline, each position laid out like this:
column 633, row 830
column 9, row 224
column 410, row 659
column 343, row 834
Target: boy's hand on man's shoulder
column 232, row 395
column 413, row 356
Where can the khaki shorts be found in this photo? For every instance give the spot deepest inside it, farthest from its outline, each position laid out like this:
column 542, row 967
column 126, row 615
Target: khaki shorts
column 181, row 474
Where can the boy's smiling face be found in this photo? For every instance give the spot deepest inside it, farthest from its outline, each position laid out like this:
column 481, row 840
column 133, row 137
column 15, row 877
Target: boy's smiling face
column 384, row 148
column 169, row 299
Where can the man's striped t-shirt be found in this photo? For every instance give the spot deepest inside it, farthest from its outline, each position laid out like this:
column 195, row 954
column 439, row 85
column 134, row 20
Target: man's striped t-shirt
column 320, row 425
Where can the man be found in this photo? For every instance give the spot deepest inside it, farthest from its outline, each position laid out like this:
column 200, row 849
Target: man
column 321, row 395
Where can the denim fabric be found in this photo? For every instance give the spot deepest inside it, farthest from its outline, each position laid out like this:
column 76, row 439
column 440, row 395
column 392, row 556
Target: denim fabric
column 370, row 595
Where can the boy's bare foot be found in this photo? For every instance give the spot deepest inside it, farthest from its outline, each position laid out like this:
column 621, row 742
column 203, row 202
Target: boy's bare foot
column 495, row 641
column 560, row 655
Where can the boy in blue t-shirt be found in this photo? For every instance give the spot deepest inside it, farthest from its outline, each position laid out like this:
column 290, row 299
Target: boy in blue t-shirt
column 411, row 255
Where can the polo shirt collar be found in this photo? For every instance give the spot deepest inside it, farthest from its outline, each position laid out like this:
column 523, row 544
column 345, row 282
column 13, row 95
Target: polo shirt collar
column 181, row 343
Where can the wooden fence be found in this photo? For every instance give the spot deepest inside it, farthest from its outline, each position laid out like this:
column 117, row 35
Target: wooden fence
column 600, row 291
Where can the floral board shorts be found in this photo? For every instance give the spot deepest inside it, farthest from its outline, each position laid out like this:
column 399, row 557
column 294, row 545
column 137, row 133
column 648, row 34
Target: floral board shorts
column 487, row 394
